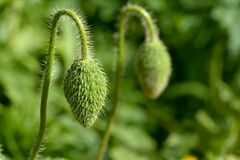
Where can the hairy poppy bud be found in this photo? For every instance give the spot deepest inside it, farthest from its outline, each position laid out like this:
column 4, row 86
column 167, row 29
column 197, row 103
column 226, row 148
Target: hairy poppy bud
column 85, row 88
column 153, row 67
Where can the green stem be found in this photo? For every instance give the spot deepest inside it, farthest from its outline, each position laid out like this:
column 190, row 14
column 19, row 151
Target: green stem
column 146, row 18
column 151, row 33
column 51, row 51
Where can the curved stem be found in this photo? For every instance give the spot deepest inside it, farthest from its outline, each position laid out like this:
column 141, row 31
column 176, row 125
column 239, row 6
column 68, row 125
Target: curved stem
column 150, row 34
column 51, row 51
column 146, row 18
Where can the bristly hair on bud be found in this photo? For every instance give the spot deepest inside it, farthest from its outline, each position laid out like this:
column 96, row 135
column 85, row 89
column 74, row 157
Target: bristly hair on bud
column 153, row 67
column 85, row 88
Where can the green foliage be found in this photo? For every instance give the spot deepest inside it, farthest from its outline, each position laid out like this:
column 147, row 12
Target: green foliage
column 2, row 157
column 226, row 13
column 48, row 158
column 198, row 114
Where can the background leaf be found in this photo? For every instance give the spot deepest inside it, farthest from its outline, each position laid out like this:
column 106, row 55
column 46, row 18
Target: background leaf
column 197, row 115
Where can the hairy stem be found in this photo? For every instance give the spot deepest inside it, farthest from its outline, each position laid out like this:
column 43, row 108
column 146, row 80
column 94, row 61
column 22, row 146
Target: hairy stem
column 51, row 51
column 151, row 33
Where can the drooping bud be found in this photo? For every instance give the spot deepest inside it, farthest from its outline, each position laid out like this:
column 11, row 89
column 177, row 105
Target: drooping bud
column 153, row 67
column 85, row 88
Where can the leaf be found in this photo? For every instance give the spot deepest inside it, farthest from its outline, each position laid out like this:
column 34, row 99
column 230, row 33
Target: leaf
column 2, row 157
column 190, row 88
column 49, row 158
column 205, row 120
column 226, row 14
column 134, row 138
column 178, row 144
column 120, row 153
column 131, row 113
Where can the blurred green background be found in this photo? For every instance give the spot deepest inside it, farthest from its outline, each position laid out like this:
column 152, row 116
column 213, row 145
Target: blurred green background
column 198, row 114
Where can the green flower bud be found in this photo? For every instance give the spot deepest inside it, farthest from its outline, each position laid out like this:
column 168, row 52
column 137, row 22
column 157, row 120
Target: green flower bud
column 85, row 88
column 153, row 67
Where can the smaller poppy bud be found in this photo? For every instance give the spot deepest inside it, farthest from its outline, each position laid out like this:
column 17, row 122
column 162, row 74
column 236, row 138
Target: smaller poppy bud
column 153, row 67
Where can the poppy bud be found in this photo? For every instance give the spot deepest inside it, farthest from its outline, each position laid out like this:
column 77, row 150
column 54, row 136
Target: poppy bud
column 153, row 67
column 85, row 88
